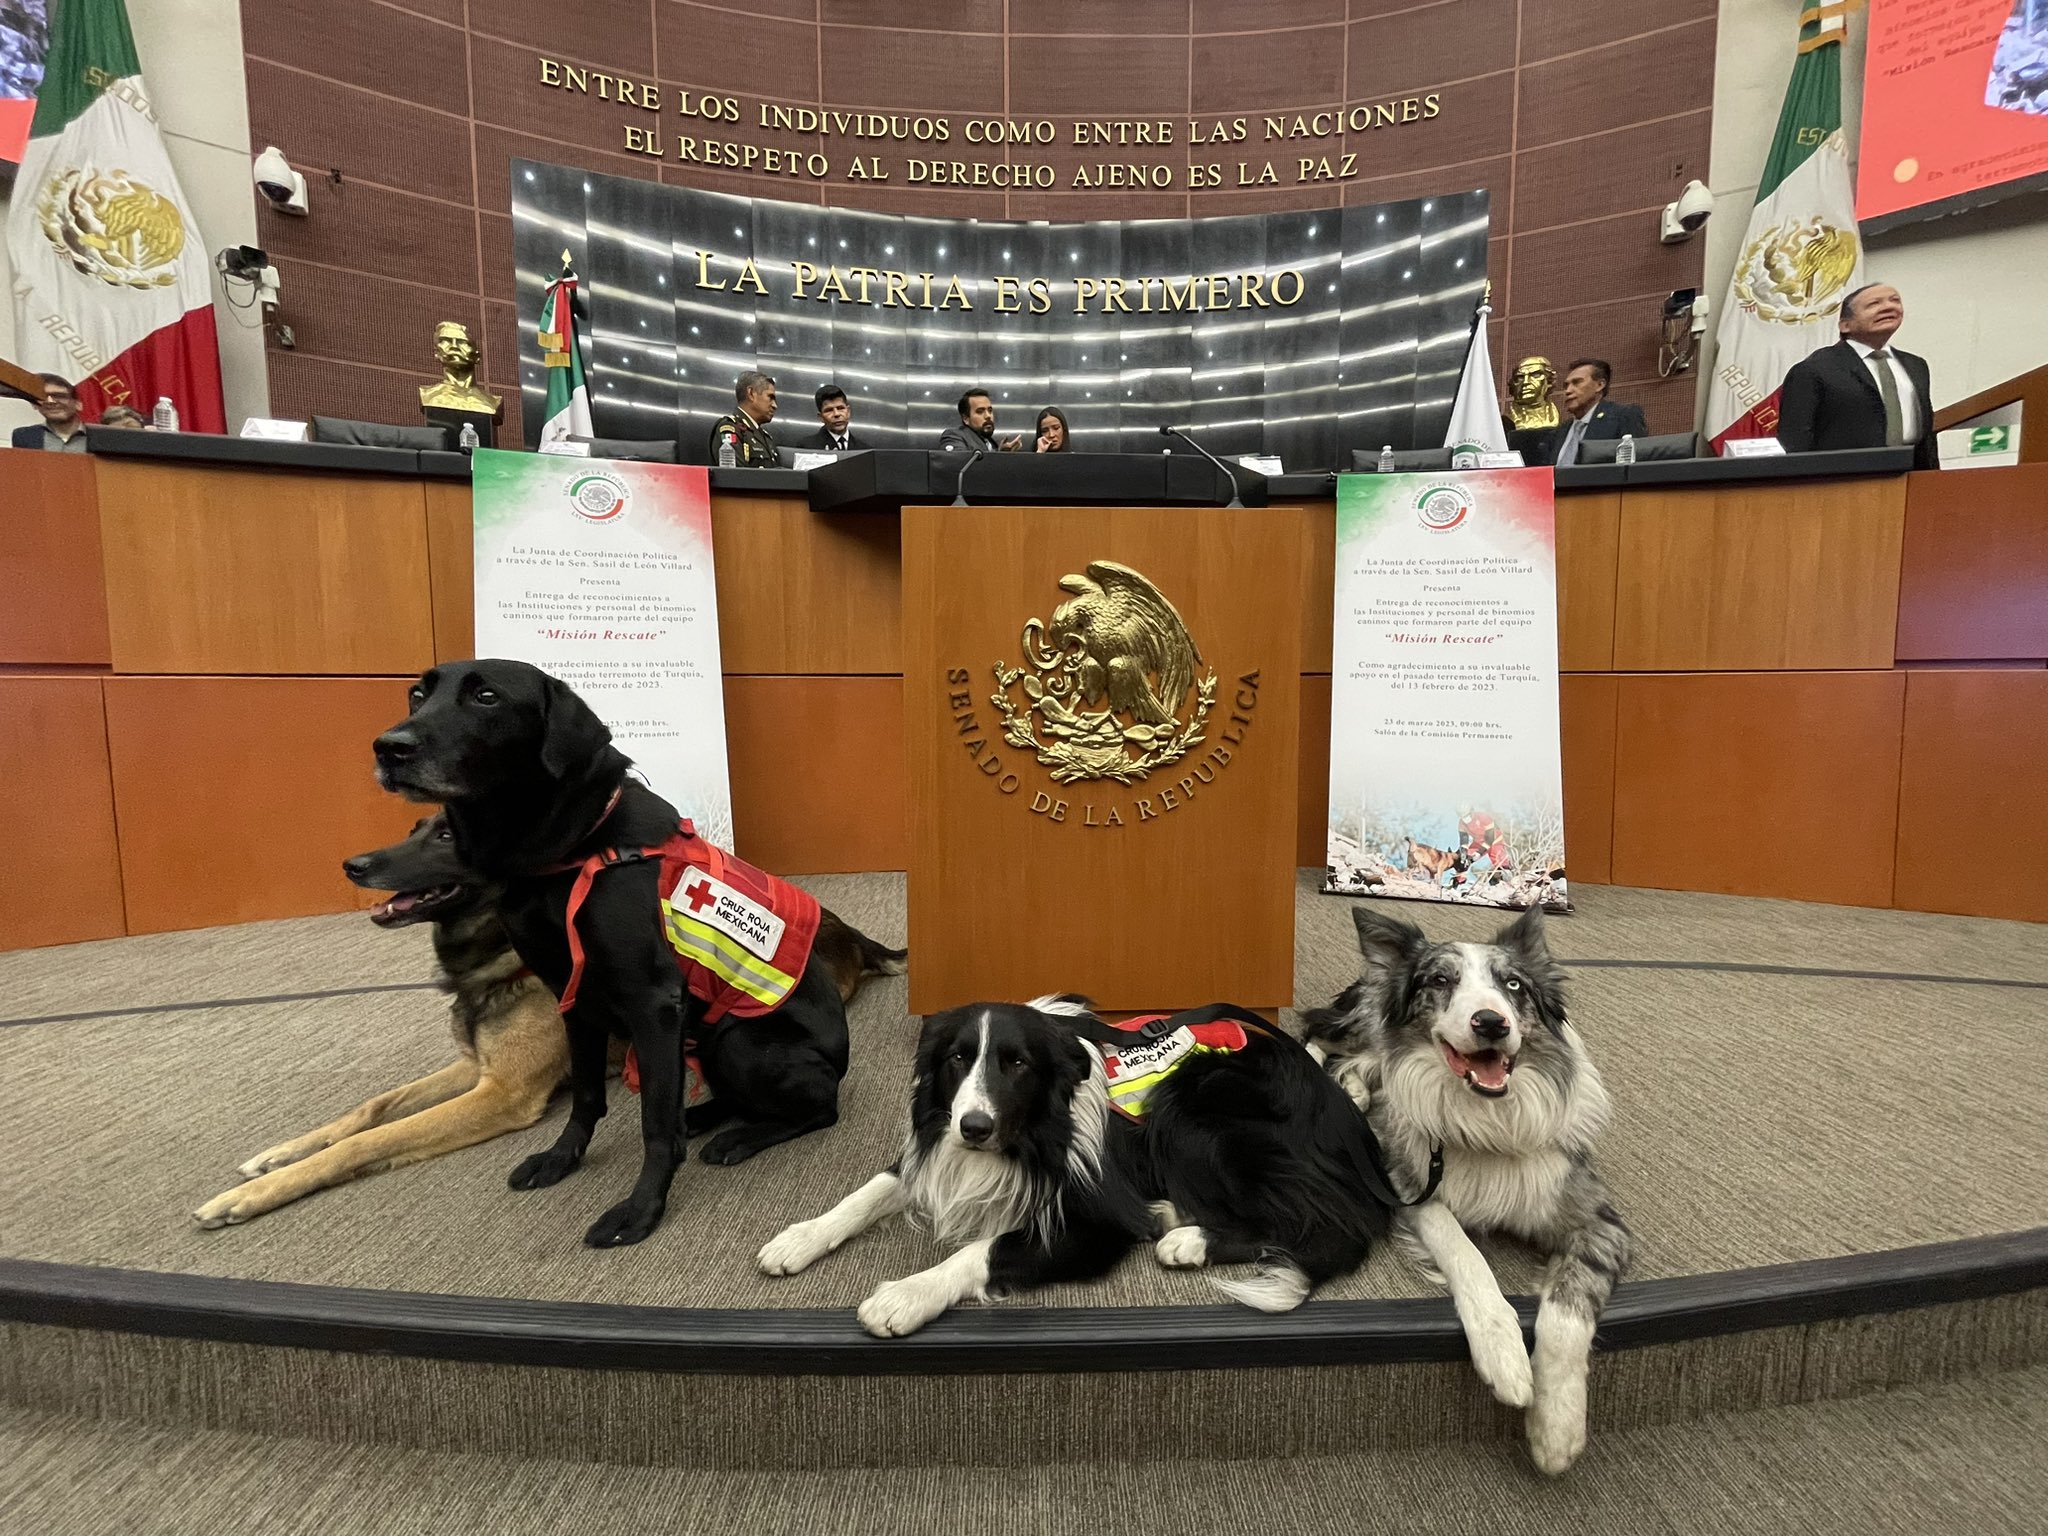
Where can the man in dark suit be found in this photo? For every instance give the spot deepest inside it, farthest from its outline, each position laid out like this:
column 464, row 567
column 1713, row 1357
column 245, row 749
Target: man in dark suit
column 1589, row 415
column 977, row 429
column 1862, row 392
column 836, row 434
column 63, row 430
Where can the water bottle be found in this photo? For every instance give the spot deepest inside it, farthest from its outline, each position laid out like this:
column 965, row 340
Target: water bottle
column 728, row 451
column 165, row 417
column 1626, row 453
column 1387, row 459
column 468, row 438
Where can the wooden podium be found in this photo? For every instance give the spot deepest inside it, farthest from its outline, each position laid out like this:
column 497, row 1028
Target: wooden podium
column 1102, row 707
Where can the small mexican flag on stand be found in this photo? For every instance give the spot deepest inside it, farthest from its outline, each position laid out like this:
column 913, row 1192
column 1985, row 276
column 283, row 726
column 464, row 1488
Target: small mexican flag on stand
column 112, row 287
column 568, row 408
column 1476, row 425
column 1801, row 255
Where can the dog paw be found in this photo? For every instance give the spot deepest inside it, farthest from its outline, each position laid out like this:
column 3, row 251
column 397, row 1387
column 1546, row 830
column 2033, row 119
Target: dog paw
column 1498, row 1354
column 626, row 1223
column 544, row 1168
column 227, row 1210
column 270, row 1160
column 1182, row 1248
column 794, row 1249
column 1164, row 1218
column 1556, row 1425
column 728, row 1148
column 902, row 1307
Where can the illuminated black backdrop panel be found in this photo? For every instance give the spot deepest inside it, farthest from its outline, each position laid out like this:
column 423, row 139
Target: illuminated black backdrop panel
column 1299, row 334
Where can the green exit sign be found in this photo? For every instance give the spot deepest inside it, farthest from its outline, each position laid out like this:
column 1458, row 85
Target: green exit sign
column 1991, row 440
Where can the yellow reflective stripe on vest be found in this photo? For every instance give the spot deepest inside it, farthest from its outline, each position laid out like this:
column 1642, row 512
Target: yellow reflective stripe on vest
column 726, row 960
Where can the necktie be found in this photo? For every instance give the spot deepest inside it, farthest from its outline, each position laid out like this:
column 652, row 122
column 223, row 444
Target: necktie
column 1888, row 386
column 1569, row 454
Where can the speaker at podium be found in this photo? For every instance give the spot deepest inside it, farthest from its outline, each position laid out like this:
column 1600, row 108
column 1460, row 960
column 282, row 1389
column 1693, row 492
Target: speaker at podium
column 1102, row 708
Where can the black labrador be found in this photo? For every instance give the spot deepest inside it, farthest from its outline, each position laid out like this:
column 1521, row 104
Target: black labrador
column 532, row 787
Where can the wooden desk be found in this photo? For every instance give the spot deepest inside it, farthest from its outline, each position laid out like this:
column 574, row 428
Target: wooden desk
column 54, row 612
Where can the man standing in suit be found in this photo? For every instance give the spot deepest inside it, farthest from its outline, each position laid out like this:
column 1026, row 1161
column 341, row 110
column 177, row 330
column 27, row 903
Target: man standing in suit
column 836, row 435
column 1862, row 392
column 1589, row 414
column 977, row 429
column 63, row 430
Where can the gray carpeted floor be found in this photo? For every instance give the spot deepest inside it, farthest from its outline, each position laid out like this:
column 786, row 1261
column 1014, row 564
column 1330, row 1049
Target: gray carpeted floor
column 1761, row 1117
column 1952, row 1458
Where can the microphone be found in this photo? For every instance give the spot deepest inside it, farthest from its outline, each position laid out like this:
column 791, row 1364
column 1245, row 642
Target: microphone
column 960, row 485
column 1182, row 433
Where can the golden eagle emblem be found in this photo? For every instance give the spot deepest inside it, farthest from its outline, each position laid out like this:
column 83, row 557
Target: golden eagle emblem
column 1797, row 271
column 111, row 226
column 1105, row 682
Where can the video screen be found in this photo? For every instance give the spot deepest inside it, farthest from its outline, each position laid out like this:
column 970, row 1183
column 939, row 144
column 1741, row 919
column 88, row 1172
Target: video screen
column 1955, row 107
column 24, row 40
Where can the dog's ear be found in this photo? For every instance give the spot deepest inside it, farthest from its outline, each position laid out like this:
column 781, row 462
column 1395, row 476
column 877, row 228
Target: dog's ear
column 574, row 734
column 1073, row 1063
column 1525, row 938
column 1386, row 943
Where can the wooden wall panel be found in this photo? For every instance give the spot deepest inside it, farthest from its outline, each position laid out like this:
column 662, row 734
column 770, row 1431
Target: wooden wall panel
column 216, row 570
column 1767, row 575
column 1586, row 718
column 1588, row 541
column 451, row 568
column 817, row 773
column 60, row 870
column 1972, row 781
column 1973, row 580
column 1759, row 784
column 804, row 592
column 55, row 609
column 241, row 796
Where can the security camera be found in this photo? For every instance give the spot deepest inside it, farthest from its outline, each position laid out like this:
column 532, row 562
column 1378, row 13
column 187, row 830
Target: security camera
column 269, row 287
column 1701, row 307
column 282, row 187
column 1683, row 218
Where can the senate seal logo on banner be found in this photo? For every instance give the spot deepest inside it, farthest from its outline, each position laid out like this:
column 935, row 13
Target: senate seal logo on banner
column 1440, row 508
column 113, row 227
column 1109, row 689
column 598, row 497
column 1795, row 272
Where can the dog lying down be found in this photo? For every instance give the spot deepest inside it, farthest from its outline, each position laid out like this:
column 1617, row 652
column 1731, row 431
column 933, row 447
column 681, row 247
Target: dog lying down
column 1465, row 1047
column 512, row 1053
column 1043, row 1144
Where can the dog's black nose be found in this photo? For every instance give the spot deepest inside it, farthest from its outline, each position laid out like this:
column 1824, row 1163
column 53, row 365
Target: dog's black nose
column 1488, row 1025
column 395, row 746
column 357, row 868
column 976, row 1127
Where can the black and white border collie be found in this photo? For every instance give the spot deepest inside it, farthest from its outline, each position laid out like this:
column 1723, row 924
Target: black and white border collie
column 1017, row 1162
column 1465, row 1047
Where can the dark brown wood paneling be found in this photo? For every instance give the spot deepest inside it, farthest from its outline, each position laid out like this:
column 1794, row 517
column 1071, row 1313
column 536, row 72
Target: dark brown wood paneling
column 240, row 796
column 1475, row 122
column 380, row 48
column 1275, row 70
column 60, row 868
column 300, row 386
column 883, row 70
column 509, row 91
column 501, row 276
column 910, row 15
column 367, row 228
column 1760, row 784
column 1454, row 40
column 1126, row 18
column 499, row 369
column 497, row 147
column 1465, row 177
column 840, row 808
column 620, row 32
column 1098, row 205
column 1586, row 719
column 1972, row 778
column 358, row 317
column 1973, row 579
column 1065, row 156
column 55, row 609
column 322, row 125
column 1552, row 27
column 1638, row 167
column 1614, row 256
column 1071, row 74
column 1272, row 15
column 1312, row 826
column 1625, row 333
column 746, row 55
column 1636, row 81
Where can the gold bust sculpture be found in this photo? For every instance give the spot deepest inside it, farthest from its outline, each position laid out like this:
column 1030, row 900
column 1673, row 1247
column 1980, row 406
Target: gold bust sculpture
column 1530, row 407
column 458, row 390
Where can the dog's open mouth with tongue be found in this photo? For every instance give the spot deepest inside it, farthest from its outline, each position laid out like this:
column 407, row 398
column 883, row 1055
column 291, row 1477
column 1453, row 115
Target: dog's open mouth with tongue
column 1485, row 1072
column 412, row 906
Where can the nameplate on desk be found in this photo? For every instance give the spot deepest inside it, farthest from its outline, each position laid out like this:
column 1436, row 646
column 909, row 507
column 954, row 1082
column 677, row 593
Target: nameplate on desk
column 1263, row 463
column 1752, row 448
column 566, row 449
column 1512, row 459
column 809, row 459
column 271, row 430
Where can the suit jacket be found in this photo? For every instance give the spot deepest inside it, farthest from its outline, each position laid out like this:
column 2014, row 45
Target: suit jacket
column 28, row 437
column 820, row 441
column 1608, row 421
column 1830, row 401
column 961, row 438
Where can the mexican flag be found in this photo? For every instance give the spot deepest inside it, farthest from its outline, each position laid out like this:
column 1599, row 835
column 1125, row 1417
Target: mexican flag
column 111, row 278
column 1476, row 425
column 1801, row 255
column 568, row 409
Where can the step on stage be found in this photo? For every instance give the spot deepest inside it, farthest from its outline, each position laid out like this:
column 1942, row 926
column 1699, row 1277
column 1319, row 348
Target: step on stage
column 1831, row 1140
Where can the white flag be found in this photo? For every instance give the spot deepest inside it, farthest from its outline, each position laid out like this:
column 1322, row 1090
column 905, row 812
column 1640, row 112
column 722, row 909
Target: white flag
column 1476, row 426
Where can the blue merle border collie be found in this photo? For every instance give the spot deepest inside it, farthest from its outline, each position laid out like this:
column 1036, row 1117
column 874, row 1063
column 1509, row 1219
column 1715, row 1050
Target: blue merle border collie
column 1465, row 1047
column 1020, row 1162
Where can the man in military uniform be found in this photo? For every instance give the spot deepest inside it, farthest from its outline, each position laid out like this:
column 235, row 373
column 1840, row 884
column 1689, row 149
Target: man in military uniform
column 747, row 426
